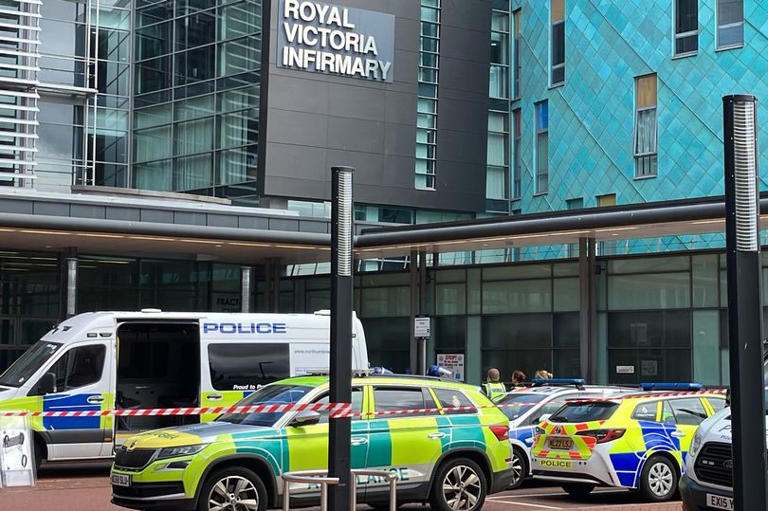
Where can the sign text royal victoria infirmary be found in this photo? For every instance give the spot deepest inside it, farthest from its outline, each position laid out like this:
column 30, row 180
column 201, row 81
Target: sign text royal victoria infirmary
column 323, row 38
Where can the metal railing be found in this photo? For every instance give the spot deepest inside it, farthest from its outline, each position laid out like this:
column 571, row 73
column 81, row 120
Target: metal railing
column 321, row 477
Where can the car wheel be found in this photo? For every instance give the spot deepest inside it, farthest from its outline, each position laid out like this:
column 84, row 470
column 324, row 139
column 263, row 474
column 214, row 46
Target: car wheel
column 578, row 490
column 459, row 486
column 519, row 468
column 234, row 488
column 658, row 481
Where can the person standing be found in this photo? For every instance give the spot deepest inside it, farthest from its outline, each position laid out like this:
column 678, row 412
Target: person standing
column 493, row 387
column 518, row 378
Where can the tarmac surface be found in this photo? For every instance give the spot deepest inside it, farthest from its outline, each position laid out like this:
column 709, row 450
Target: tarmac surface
column 85, row 487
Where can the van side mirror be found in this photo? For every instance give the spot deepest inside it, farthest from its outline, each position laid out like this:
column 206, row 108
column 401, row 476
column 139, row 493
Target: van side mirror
column 46, row 385
column 305, row 418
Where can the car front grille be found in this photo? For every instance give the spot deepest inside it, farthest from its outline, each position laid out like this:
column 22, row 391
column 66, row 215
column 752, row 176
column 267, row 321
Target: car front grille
column 714, row 464
column 134, row 459
column 147, row 490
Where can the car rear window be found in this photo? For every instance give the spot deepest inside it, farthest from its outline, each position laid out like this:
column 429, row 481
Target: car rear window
column 518, row 403
column 584, row 412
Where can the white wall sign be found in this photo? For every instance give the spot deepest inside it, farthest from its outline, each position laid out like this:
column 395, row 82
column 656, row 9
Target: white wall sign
column 331, row 39
column 625, row 369
column 454, row 362
column 421, row 327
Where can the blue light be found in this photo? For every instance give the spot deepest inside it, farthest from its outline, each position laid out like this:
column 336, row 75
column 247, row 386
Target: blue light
column 671, row 386
column 559, row 381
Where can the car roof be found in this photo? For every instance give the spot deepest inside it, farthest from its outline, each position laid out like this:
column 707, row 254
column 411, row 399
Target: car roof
column 317, row 381
column 553, row 389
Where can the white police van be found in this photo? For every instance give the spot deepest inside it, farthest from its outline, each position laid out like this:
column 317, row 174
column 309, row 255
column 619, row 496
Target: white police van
column 154, row 359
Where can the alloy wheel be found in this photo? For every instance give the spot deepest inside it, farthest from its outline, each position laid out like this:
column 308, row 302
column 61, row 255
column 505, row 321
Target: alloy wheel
column 660, row 479
column 517, row 468
column 233, row 493
column 462, row 488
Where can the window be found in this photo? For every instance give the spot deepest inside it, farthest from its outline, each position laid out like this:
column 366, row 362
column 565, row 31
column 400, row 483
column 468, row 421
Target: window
column 357, row 405
column 645, row 127
column 243, row 366
column 585, row 412
column 686, row 27
column 688, row 412
column 426, row 119
column 542, row 147
column 499, row 80
column 519, row 403
column 717, row 404
column 517, row 170
column 730, row 23
column 604, row 201
column 453, row 399
column 79, row 367
column 557, row 42
column 572, row 204
column 646, row 411
column 391, row 399
column 516, row 56
column 496, row 182
column 270, row 395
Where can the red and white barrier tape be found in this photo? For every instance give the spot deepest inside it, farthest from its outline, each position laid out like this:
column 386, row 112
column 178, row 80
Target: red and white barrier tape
column 336, row 410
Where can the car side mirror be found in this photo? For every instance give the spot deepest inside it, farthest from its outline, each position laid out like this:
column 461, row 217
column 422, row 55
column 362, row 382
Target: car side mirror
column 305, row 418
column 46, row 385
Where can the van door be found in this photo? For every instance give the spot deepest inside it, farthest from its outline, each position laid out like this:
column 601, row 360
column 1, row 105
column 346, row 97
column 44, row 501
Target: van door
column 81, row 382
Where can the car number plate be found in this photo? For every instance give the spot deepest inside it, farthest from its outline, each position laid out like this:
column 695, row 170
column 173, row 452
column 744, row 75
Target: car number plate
column 719, row 502
column 560, row 443
column 121, row 480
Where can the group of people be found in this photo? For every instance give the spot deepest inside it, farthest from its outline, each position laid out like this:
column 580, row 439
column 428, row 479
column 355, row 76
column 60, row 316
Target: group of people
column 494, row 386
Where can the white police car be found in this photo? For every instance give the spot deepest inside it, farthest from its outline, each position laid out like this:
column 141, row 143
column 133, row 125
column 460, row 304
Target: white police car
column 525, row 406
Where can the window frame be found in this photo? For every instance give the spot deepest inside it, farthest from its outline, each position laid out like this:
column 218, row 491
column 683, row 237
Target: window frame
column 516, row 37
column 427, row 396
column 64, row 358
column 637, row 157
column 536, row 132
column 552, row 66
column 718, row 27
column 517, row 160
column 682, row 35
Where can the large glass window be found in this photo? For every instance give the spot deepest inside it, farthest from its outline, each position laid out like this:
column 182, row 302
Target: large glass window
column 426, row 119
column 541, row 149
column 557, row 42
column 517, row 165
column 686, row 27
column 497, row 175
column 517, row 50
column 646, row 148
column 730, row 23
column 79, row 367
column 499, row 81
column 688, row 412
column 243, row 366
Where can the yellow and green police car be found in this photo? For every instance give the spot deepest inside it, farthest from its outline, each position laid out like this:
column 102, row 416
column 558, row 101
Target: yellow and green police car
column 450, row 458
column 637, row 441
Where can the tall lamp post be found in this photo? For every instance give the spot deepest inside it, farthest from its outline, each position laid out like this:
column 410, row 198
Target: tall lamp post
column 742, row 227
column 339, row 463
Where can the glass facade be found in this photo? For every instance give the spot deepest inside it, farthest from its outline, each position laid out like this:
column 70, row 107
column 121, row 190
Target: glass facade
column 426, row 120
column 197, row 88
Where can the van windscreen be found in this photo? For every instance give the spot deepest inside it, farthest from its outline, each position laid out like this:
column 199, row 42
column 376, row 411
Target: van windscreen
column 28, row 364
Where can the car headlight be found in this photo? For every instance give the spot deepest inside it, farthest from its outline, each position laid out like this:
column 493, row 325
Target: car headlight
column 175, row 452
column 695, row 445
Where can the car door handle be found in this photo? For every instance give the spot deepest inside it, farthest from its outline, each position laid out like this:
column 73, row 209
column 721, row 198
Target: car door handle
column 678, row 434
column 214, row 397
column 94, row 400
column 358, row 440
column 436, row 435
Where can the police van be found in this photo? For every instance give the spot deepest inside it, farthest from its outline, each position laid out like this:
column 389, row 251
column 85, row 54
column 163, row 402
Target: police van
column 154, row 359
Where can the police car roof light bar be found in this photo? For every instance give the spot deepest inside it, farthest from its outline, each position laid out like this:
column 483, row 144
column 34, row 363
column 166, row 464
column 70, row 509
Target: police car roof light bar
column 671, row 386
column 578, row 382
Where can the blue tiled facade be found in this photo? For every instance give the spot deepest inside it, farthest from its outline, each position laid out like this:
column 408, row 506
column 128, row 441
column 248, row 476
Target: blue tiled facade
column 591, row 117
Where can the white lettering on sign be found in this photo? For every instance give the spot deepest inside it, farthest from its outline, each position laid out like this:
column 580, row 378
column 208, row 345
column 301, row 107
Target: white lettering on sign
column 323, row 38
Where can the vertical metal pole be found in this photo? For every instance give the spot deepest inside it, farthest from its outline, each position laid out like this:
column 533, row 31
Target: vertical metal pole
column 245, row 288
column 71, row 286
column 422, row 309
column 414, row 284
column 342, row 232
column 584, row 319
column 742, row 209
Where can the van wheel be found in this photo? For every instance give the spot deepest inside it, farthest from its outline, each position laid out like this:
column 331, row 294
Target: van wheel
column 459, row 486
column 519, row 468
column 578, row 490
column 233, row 488
column 658, row 481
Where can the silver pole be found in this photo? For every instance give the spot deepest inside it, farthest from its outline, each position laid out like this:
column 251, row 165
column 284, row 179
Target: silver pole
column 71, row 285
column 245, row 289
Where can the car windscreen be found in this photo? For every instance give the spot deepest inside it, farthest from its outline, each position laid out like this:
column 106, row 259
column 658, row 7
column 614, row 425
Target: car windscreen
column 584, row 411
column 28, row 364
column 517, row 403
column 269, row 395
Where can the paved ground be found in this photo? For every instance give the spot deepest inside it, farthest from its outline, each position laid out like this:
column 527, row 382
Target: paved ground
column 84, row 487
